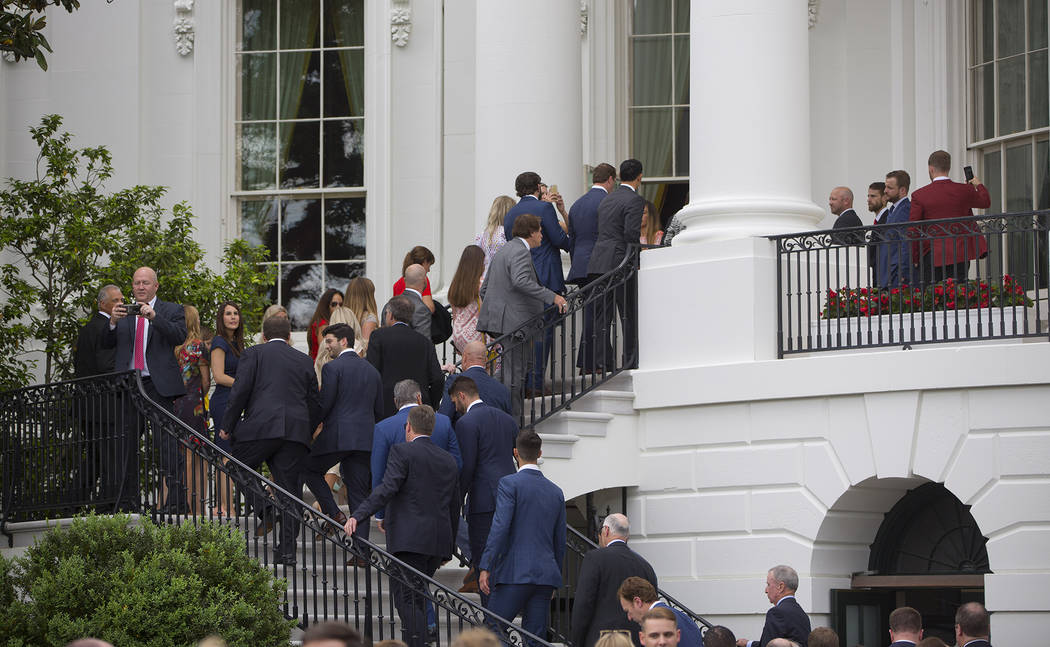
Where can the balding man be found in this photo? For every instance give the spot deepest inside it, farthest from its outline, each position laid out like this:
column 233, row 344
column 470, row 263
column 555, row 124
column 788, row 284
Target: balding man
column 972, row 626
column 786, row 619
column 841, row 204
column 597, row 607
column 905, row 627
column 415, row 284
column 491, row 391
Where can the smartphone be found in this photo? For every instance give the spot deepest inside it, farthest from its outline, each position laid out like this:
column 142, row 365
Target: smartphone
column 554, row 188
column 968, row 170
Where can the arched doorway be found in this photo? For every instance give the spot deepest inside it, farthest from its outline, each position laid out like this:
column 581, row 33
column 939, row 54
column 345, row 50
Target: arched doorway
column 928, row 554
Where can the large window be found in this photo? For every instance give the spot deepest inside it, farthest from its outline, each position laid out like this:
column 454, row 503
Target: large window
column 299, row 140
column 659, row 100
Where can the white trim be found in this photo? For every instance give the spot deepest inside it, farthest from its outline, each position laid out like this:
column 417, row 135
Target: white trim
column 377, row 163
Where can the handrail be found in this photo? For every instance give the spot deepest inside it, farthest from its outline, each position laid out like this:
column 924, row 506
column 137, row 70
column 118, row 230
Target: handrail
column 47, row 437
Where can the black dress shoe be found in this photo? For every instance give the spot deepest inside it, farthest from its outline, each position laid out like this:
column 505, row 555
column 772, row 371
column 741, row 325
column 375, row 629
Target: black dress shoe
column 286, row 559
column 330, row 529
column 264, row 525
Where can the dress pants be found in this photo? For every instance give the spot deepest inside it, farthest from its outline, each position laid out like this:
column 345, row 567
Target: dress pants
column 357, row 476
column 622, row 300
column 542, row 348
column 532, row 600
column 170, row 462
column 478, row 527
column 410, row 603
column 283, row 457
column 586, row 358
column 936, row 273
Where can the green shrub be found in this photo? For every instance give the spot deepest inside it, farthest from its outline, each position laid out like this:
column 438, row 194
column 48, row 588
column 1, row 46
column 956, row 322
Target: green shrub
column 139, row 585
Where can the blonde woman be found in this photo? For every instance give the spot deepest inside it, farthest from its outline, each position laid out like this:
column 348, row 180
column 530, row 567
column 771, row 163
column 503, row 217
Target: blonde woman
column 494, row 236
column 196, row 376
column 361, row 299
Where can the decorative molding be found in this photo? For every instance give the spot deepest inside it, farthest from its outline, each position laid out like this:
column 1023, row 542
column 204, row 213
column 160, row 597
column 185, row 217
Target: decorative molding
column 400, row 22
column 583, row 17
column 183, row 27
column 814, row 9
column 8, row 56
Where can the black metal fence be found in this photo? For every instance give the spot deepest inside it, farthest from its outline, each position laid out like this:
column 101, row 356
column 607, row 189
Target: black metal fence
column 100, row 444
column 951, row 280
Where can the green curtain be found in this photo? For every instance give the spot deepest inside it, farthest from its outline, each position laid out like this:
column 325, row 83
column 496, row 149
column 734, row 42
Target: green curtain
column 299, row 27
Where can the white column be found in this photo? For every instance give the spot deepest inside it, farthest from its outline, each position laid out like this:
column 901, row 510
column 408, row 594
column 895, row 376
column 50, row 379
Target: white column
column 528, row 98
column 748, row 120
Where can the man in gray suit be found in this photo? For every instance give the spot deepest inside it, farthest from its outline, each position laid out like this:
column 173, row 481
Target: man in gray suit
column 415, row 283
column 512, row 295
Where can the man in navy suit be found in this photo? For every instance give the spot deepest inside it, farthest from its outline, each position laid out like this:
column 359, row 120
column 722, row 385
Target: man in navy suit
column 905, row 627
column 895, row 255
column 351, row 402
column 491, row 391
column 545, row 256
column 972, row 626
column 786, row 619
column 486, row 438
column 521, row 565
column 398, row 352
column 583, row 233
column 421, row 491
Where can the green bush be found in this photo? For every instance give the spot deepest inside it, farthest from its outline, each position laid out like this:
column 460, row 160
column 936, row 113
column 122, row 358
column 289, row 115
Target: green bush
column 139, row 585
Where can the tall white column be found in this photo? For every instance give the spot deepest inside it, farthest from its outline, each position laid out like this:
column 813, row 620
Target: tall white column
column 748, row 120
column 528, row 114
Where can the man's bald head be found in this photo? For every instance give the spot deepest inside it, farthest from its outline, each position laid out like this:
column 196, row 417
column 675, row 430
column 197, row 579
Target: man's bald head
column 416, row 277
column 615, row 526
column 475, row 354
column 841, row 198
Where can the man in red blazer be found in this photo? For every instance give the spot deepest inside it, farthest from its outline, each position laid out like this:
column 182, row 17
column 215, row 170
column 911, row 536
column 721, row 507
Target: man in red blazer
column 946, row 250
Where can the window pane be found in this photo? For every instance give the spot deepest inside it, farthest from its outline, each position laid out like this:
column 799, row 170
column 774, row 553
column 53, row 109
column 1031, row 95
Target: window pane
column 344, row 23
column 652, row 130
column 257, row 24
column 681, row 69
column 344, row 228
column 343, row 152
column 301, row 287
column 300, row 230
column 1042, row 175
column 652, row 16
column 983, row 103
column 681, row 162
column 983, row 31
column 681, row 16
column 1038, row 107
column 1011, row 95
column 344, row 83
column 257, row 144
column 300, row 85
column 1036, row 24
column 652, row 71
column 337, row 275
column 300, row 24
column 992, row 169
column 259, row 224
column 1019, row 178
column 1011, row 27
column 258, row 74
column 300, row 143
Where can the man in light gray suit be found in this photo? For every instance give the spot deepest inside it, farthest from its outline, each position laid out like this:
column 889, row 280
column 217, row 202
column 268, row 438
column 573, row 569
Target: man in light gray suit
column 512, row 295
column 415, row 283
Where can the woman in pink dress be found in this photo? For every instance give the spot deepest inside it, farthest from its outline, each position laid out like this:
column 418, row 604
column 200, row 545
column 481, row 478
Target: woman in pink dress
column 465, row 298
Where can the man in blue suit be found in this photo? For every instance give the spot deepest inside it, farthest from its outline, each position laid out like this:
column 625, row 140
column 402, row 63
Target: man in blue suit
column 583, row 232
column 895, row 254
column 785, row 619
column 638, row 596
column 486, row 438
column 521, row 565
column 351, row 402
column 545, row 257
column 491, row 391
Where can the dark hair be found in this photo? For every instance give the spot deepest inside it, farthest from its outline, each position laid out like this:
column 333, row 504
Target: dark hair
column 340, row 331
column 463, row 290
column 332, row 631
column 906, row 619
column 324, row 306
column 602, row 172
column 400, row 308
column 823, row 637
column 637, row 587
column 719, row 636
column 236, row 338
column 525, row 225
column 526, row 183
column 463, row 384
column 902, row 177
column 972, row 619
column 277, row 328
column 630, row 169
column 418, row 255
column 528, row 444
column 942, row 161
column 878, row 186
column 421, row 417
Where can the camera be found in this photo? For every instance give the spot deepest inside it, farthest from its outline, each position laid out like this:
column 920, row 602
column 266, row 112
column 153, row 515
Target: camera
column 132, row 309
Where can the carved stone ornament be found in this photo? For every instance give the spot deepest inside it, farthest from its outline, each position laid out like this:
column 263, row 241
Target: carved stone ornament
column 9, row 57
column 814, row 8
column 183, row 26
column 400, row 22
column 583, row 17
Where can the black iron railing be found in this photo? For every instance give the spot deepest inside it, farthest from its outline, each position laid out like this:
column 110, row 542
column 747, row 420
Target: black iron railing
column 100, row 444
column 951, row 280
column 555, row 358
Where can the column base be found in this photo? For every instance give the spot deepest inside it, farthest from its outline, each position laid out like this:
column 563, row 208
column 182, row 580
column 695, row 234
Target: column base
column 728, row 218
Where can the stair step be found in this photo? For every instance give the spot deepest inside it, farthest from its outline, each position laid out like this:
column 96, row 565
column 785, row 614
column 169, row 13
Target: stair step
column 577, row 423
column 557, row 445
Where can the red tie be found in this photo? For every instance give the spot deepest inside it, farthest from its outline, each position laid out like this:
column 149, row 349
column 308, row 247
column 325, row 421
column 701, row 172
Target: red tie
column 140, row 344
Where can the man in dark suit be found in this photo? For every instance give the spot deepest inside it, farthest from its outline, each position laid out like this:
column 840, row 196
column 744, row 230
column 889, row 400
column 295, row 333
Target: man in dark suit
column 486, row 438
column 951, row 249
column 351, row 402
column 400, row 353
column 521, row 564
column 972, row 626
column 597, row 607
column 876, row 205
column 415, row 283
column 276, row 390
column 583, row 233
column 89, row 355
column 905, row 627
column 840, row 201
column 894, row 254
column 786, row 619
column 491, row 391
column 146, row 343
column 619, row 227
column 421, row 492
column 638, row 597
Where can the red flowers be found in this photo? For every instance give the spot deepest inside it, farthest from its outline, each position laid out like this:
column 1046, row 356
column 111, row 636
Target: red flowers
column 949, row 295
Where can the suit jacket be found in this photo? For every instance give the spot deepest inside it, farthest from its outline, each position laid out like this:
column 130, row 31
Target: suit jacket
column 894, row 263
column 597, row 605
column 545, row 257
column 491, row 391
column 619, row 225
column 420, row 315
column 904, row 643
column 400, row 353
column 583, row 231
column 486, row 438
column 786, row 619
column 511, row 294
column 526, row 544
column 391, row 431
column 421, row 491
column 165, row 332
column 351, row 403
column 691, row 636
column 276, row 390
column 947, row 199
column 876, row 236
column 89, row 355
column 977, row 643
column 848, row 218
